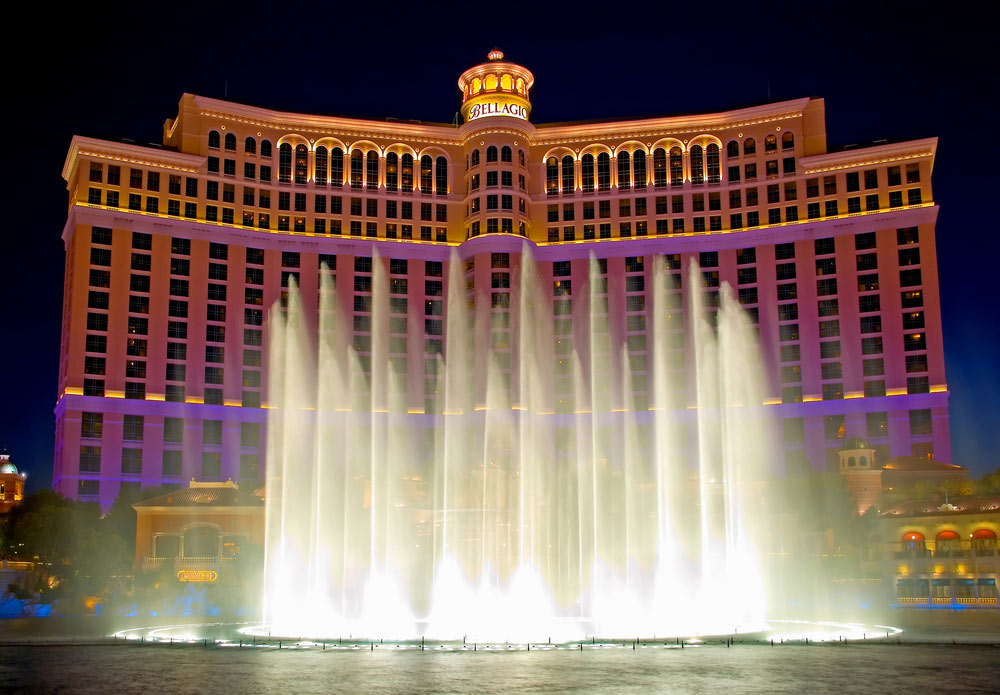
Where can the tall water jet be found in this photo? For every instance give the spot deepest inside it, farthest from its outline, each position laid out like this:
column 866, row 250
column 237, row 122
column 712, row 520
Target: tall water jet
column 566, row 478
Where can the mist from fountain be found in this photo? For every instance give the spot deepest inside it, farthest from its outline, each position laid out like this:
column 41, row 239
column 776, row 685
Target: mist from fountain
column 518, row 511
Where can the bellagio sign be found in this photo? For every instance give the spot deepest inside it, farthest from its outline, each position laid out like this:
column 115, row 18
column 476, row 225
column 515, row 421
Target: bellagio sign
column 497, row 108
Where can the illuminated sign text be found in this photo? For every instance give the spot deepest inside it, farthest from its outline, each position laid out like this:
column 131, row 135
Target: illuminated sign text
column 497, row 108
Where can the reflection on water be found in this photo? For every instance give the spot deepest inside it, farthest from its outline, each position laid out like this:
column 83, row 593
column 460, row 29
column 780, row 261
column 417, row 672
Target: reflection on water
column 744, row 669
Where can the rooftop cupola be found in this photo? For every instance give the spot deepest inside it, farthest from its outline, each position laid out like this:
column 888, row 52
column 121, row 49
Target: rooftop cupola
column 495, row 88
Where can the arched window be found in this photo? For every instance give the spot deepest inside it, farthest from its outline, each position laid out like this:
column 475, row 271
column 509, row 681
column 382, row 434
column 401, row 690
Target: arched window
column 771, row 143
column 984, row 542
column 697, row 165
column 357, row 168
column 265, row 148
column 320, row 167
column 336, row 167
column 787, row 141
column 947, row 544
column 639, row 167
column 676, row 167
column 850, row 462
column 551, row 176
column 285, row 163
column 913, row 542
column 301, row 164
column 213, row 139
column 427, row 173
column 749, row 146
column 863, row 462
column 371, row 175
column 406, row 176
column 587, row 173
column 659, row 167
column 491, row 154
column 391, row 171
column 568, row 174
column 732, row 149
column 604, row 172
column 441, row 176
column 231, row 142
column 712, row 163
column 474, row 159
column 250, row 145
column 201, row 541
column 506, row 154
column 624, row 170
column 520, row 157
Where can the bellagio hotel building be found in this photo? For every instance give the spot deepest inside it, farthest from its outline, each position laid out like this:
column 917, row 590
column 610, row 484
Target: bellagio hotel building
column 175, row 252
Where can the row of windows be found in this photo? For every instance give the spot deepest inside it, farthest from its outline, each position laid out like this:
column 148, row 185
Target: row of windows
column 506, row 155
column 132, row 464
column 876, row 426
column 134, row 430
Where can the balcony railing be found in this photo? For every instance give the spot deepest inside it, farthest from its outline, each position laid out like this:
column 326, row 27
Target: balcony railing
column 16, row 565
column 180, row 563
column 945, row 600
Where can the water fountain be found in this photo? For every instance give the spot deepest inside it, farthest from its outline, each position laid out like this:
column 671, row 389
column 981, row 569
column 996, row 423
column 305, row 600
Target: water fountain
column 518, row 511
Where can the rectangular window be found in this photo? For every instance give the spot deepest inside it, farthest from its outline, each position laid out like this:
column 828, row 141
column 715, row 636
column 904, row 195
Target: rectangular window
column 131, row 461
column 871, row 346
column 826, row 286
column 920, row 422
column 877, row 424
column 909, row 278
column 211, row 464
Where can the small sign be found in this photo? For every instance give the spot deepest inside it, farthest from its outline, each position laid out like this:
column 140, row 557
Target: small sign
column 197, row 575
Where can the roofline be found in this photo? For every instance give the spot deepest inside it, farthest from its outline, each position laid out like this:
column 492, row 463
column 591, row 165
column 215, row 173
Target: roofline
column 325, row 125
column 126, row 152
column 358, row 127
column 886, row 516
column 877, row 154
column 675, row 124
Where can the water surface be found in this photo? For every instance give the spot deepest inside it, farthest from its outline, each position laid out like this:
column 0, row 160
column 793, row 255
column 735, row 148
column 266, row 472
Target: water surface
column 862, row 668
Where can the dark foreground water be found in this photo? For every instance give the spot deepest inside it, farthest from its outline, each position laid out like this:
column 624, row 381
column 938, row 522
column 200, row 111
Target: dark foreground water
column 862, row 668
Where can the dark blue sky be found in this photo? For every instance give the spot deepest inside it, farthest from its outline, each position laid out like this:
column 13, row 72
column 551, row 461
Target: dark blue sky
column 885, row 71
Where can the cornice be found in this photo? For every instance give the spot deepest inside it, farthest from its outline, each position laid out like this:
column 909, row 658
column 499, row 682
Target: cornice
column 673, row 125
column 321, row 126
column 867, row 156
column 130, row 154
column 500, row 124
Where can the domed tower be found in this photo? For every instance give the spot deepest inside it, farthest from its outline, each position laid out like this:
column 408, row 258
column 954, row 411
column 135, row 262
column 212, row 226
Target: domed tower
column 11, row 484
column 495, row 88
column 495, row 108
column 860, row 471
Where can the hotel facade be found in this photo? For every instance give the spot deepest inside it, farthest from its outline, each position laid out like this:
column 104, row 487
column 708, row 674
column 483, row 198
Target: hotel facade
column 175, row 252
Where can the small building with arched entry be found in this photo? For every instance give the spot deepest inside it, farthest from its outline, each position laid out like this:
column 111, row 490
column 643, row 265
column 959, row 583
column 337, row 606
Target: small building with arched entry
column 941, row 555
column 196, row 531
column 862, row 475
column 866, row 477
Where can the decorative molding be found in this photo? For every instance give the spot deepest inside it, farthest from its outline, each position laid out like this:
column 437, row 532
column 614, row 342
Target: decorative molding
column 131, row 154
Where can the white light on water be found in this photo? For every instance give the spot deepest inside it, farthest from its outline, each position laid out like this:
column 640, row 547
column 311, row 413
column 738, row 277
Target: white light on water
column 555, row 500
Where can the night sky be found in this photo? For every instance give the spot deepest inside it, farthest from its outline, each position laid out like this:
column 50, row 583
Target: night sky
column 898, row 73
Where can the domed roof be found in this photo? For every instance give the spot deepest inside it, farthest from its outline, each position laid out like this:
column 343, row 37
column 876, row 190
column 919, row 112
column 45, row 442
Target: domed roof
column 855, row 443
column 5, row 465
